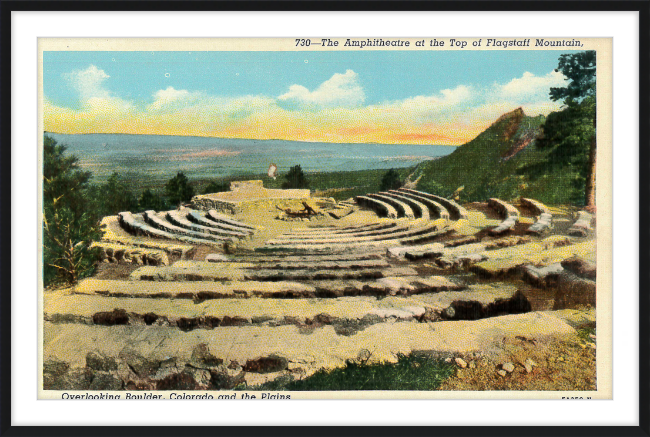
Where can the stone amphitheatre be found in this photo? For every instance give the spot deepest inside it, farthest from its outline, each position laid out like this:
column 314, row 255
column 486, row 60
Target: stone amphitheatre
column 248, row 286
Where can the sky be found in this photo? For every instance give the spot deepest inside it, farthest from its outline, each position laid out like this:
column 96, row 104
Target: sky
column 395, row 97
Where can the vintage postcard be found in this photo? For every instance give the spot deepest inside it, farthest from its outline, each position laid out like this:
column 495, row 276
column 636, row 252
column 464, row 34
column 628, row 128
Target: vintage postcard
column 325, row 218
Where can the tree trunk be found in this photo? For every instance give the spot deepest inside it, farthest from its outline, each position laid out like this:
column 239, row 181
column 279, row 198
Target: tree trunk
column 590, row 187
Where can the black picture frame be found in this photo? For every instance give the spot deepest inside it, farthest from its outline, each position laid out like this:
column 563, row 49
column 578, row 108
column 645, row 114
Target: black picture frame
column 7, row 7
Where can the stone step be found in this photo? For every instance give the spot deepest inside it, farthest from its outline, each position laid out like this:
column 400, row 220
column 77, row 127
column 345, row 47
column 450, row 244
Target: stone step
column 382, row 208
column 289, row 237
column 322, row 265
column 152, row 219
column 340, row 246
column 206, row 271
column 396, row 233
column 400, row 281
column 343, row 229
column 179, row 250
column 83, row 357
column 435, row 208
column 543, row 224
column 476, row 302
column 402, row 208
column 419, row 209
column 456, row 211
column 138, row 228
column 221, row 218
column 308, row 258
column 196, row 217
column 176, row 218
column 118, row 253
column 504, row 261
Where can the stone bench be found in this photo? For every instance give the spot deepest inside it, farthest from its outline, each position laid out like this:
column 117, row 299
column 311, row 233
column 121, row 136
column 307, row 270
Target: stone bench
column 509, row 213
column 306, row 232
column 177, row 219
column 117, row 253
column 371, row 233
column 419, row 209
column 380, row 207
column 196, row 217
column 220, row 218
column 536, row 205
column 402, row 208
column 135, row 227
column 582, row 226
column 410, row 232
column 152, row 219
column 456, row 211
column 435, row 208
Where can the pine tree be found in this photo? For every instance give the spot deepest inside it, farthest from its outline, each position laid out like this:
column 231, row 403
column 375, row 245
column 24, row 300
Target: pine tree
column 391, row 180
column 69, row 222
column 295, row 178
column 178, row 189
column 571, row 133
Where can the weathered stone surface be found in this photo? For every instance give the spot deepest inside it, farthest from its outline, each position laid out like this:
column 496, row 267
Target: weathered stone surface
column 176, row 218
column 105, row 381
column 324, row 347
column 218, row 257
column 382, row 208
column 202, row 358
column 140, row 365
column 580, row 267
column 152, row 219
column 269, row 364
column 402, row 208
column 456, row 211
column 109, row 318
column 420, row 210
column 99, row 362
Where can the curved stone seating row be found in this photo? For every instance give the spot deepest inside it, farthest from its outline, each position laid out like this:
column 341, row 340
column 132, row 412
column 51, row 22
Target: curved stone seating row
column 196, row 217
column 380, row 207
column 342, row 231
column 129, row 223
column 456, row 211
column 432, row 205
column 420, row 236
column 352, row 228
column 370, row 233
column 171, row 248
column 153, row 220
column 544, row 220
column 401, row 233
column 582, row 226
column 176, row 218
column 217, row 217
column 402, row 208
column 420, row 210
column 508, row 212
column 118, row 253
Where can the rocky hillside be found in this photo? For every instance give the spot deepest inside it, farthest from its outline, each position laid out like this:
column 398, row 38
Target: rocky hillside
column 501, row 162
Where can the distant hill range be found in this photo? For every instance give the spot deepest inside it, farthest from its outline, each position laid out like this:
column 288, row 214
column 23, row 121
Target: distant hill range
column 503, row 162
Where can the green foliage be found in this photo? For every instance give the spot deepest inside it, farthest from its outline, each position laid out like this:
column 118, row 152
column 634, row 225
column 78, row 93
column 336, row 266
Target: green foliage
column 112, row 197
column 149, row 200
column 178, row 189
column 69, row 221
column 295, row 178
column 570, row 134
column 391, row 180
column 409, row 373
column 216, row 187
column 580, row 70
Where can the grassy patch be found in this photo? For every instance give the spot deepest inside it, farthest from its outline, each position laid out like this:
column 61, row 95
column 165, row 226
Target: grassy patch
column 409, row 373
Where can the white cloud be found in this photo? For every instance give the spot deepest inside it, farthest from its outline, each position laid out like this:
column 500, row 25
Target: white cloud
column 89, row 83
column 341, row 90
column 530, row 87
